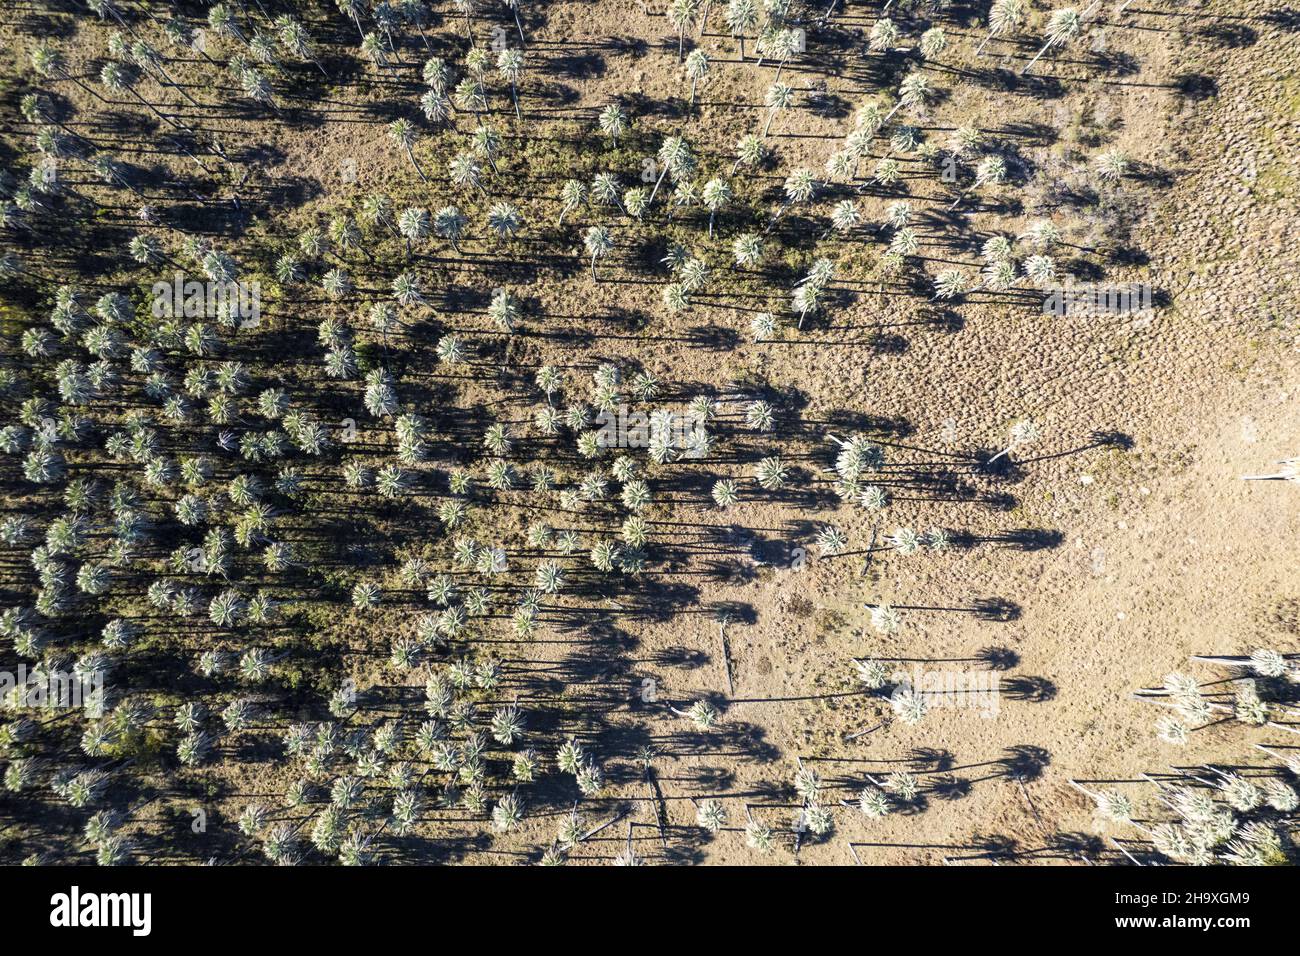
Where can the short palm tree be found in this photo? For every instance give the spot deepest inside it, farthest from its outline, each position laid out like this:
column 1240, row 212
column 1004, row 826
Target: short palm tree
column 503, row 219
column 573, row 196
column 413, row 223
column 716, row 195
column 449, row 223
column 613, row 122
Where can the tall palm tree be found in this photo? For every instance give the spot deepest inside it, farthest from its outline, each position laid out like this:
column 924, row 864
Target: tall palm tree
column 675, row 156
column 697, row 68
column 513, row 7
column 778, row 97
column 1023, row 432
column 991, row 171
column 353, row 9
column 510, row 67
column 402, row 133
column 120, row 79
column 1005, row 16
column 680, row 15
column 742, row 18
column 465, row 171
column 1062, row 27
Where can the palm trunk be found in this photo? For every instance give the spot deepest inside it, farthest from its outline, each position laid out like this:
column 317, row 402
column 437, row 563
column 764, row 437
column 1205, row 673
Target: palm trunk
column 1046, row 46
column 656, row 189
column 1004, row 451
column 411, row 154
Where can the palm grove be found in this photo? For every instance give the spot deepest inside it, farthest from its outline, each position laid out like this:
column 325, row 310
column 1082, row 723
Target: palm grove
column 331, row 528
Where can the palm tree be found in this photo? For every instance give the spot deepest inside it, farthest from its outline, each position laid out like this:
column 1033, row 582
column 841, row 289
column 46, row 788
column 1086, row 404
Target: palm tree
column 725, row 493
column 1005, row 16
column 573, row 195
column 783, row 45
column 47, row 61
column 697, row 68
column 933, row 42
column 503, row 219
column 120, row 79
column 747, row 249
column 913, row 93
column 465, row 171
column 742, row 18
column 778, row 97
column 750, row 152
column 680, row 15
column 991, row 171
column 598, row 242
column 467, row 9
column 884, row 34
column 949, row 283
column 716, row 195
column 504, row 310
column 295, row 40
column 1112, row 165
column 799, row 186
column 449, row 223
column 413, row 224
column 402, row 133
column 613, row 122
column 513, row 5
column 222, row 22
column 771, row 473
column 701, row 713
column 1023, row 432
column 675, row 157
column 1062, row 26
column 510, row 67
column 486, row 142
column 353, row 9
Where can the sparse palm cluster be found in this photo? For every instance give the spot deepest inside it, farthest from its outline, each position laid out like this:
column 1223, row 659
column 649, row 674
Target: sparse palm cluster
column 331, row 530
column 1239, row 811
